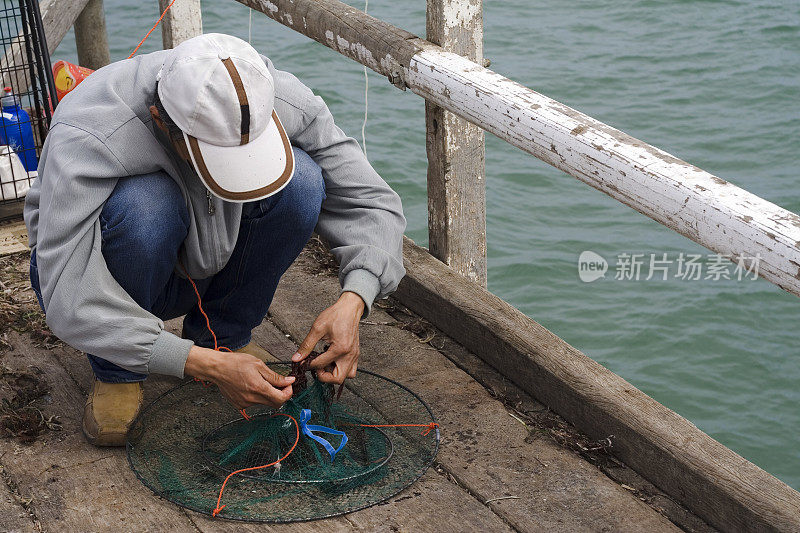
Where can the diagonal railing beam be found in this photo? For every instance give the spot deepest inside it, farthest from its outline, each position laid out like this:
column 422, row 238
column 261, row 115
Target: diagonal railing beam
column 705, row 208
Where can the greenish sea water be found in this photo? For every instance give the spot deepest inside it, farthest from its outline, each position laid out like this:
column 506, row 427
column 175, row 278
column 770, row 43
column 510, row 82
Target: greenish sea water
column 715, row 82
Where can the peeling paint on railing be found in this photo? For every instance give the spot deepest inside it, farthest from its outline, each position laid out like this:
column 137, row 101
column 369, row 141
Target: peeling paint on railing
column 699, row 205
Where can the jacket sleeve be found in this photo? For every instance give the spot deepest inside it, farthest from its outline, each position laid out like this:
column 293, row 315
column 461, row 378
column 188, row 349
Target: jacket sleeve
column 85, row 306
column 362, row 217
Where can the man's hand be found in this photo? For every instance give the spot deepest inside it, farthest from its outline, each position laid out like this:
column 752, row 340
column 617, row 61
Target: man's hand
column 338, row 325
column 241, row 378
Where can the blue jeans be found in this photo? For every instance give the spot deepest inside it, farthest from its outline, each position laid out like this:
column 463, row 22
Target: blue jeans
column 141, row 253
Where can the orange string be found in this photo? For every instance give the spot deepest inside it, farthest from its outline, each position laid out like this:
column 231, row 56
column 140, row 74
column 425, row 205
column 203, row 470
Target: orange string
column 200, row 307
column 216, row 511
column 151, row 30
column 208, row 324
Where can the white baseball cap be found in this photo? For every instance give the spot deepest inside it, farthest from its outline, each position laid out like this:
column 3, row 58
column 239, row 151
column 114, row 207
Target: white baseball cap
column 218, row 91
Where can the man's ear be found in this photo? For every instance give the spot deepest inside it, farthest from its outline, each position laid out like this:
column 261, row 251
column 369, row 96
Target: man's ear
column 177, row 142
column 157, row 119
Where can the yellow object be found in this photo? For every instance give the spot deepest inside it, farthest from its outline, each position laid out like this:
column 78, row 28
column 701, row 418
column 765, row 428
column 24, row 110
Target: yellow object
column 68, row 76
column 110, row 409
column 258, row 352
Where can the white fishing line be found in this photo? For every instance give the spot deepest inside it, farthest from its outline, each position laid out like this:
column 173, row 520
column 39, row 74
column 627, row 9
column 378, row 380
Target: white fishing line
column 366, row 101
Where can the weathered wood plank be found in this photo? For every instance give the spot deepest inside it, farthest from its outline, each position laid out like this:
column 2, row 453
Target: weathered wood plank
column 487, row 451
column 58, row 16
column 11, row 210
column 13, row 517
column 91, row 37
column 183, row 21
column 206, row 524
column 703, row 207
column 13, row 237
column 722, row 487
column 431, row 505
column 455, row 147
column 74, row 486
column 542, row 421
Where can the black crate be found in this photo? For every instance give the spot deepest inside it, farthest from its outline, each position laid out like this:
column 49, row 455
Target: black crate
column 25, row 68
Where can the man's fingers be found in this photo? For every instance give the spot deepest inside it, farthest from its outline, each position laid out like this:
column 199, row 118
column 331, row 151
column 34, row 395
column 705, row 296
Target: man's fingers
column 270, row 395
column 345, row 365
column 275, row 379
column 335, row 376
column 284, row 394
column 279, row 389
column 351, row 364
column 324, row 359
column 348, row 365
column 308, row 343
column 271, row 389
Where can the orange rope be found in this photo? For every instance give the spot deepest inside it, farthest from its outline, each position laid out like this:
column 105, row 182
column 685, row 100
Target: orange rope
column 216, row 511
column 200, row 307
column 208, row 325
column 151, row 30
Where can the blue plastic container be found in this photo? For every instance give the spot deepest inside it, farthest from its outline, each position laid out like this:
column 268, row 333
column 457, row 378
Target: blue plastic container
column 16, row 130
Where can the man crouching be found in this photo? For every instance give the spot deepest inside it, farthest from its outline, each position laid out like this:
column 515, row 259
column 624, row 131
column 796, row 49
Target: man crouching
column 199, row 164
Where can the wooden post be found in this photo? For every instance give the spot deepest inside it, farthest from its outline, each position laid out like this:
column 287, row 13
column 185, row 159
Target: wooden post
column 91, row 37
column 182, row 21
column 456, row 184
column 705, row 208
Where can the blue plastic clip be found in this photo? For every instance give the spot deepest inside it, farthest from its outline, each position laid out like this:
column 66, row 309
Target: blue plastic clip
column 308, row 429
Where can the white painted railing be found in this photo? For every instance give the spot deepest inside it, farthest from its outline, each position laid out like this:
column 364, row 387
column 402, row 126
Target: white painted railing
column 705, row 208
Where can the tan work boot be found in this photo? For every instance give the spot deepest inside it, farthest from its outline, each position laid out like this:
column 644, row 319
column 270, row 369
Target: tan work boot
column 110, row 409
column 257, row 351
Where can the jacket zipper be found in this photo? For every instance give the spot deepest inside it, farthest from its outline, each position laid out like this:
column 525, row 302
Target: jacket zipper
column 210, row 202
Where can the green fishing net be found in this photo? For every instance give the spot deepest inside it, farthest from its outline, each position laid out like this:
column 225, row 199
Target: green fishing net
column 186, row 443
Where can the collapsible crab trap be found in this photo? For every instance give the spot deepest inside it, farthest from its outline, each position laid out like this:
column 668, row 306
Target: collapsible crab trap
column 322, row 454
column 27, row 100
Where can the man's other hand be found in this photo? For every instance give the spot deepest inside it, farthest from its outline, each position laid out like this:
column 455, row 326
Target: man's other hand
column 241, row 378
column 338, row 325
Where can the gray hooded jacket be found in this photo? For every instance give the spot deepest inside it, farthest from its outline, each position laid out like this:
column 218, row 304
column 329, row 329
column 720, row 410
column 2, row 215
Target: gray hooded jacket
column 102, row 131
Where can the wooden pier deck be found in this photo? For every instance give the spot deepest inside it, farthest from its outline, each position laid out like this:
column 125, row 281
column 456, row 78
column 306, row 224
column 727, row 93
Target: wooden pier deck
column 506, row 461
column 505, row 464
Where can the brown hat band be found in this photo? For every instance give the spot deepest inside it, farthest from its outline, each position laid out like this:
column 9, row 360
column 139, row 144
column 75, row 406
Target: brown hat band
column 242, row 96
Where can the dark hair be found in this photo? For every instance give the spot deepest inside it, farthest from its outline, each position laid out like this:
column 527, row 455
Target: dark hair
column 171, row 126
